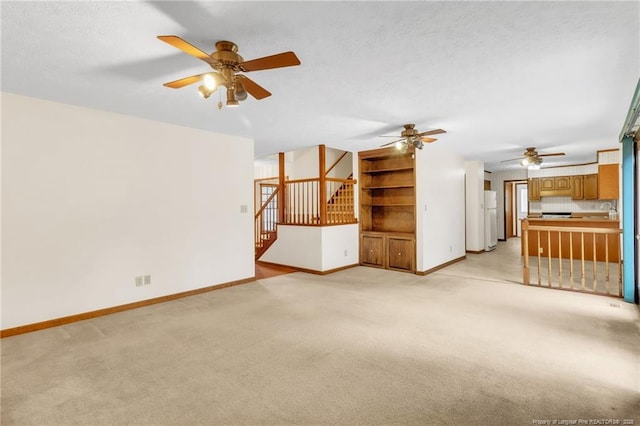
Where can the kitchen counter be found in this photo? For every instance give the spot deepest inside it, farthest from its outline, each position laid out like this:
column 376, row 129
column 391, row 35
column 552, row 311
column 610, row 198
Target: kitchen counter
column 575, row 220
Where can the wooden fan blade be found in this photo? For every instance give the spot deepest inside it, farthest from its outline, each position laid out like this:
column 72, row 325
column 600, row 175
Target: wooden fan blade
column 280, row 60
column 428, row 140
column 512, row 159
column 253, row 88
column 391, row 143
column 432, row 132
column 184, row 81
column 187, row 47
column 551, row 155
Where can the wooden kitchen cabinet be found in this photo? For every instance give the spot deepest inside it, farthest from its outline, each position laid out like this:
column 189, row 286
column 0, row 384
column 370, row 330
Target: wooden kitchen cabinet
column 577, row 187
column 562, row 183
column 608, row 178
column 387, row 208
column 591, row 187
column 533, row 189
column 547, row 184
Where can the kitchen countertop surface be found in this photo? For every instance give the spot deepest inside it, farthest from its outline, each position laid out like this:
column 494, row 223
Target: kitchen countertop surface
column 572, row 219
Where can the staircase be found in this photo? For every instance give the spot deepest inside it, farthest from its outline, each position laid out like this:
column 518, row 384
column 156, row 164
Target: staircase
column 340, row 207
column 265, row 230
column 265, row 241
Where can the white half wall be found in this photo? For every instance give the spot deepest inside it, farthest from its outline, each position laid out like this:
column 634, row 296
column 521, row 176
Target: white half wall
column 317, row 248
column 440, row 207
column 92, row 199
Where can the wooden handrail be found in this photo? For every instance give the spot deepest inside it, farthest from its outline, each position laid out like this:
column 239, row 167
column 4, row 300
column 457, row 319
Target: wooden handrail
column 266, row 203
column 302, row 180
column 318, row 180
column 341, row 180
column 336, row 163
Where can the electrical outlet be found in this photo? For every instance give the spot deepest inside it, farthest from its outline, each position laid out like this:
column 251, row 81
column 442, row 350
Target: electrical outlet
column 147, row 279
column 345, row 253
column 540, row 250
column 139, row 281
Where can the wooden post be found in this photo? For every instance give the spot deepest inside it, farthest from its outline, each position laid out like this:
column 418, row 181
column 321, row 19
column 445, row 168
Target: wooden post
column 322, row 166
column 525, row 251
column 281, row 193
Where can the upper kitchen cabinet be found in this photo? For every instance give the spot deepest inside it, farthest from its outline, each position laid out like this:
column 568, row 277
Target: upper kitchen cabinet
column 608, row 178
column 533, row 188
column 591, row 187
column 577, row 187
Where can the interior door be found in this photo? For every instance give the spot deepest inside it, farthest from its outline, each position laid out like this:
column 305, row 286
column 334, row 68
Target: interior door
column 508, row 210
column 522, row 199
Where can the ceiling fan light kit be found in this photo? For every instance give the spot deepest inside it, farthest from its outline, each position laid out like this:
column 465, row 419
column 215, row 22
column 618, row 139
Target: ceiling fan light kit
column 227, row 64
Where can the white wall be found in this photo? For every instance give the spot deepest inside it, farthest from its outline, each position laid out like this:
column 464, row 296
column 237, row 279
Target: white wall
column 344, row 168
column 318, row 248
column 474, row 196
column 92, row 199
column 302, row 163
column 266, row 167
column 440, row 208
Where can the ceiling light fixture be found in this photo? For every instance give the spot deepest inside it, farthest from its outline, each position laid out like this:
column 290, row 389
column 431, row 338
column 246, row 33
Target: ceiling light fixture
column 213, row 81
column 204, row 92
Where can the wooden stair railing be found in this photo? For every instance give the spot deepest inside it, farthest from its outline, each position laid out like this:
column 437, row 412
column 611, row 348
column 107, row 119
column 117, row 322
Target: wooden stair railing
column 265, row 224
column 340, row 207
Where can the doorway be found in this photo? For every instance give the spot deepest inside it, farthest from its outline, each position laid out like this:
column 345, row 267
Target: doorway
column 516, row 207
column 521, row 206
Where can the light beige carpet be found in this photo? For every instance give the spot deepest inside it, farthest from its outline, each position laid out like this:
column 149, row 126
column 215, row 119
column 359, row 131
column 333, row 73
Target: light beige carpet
column 463, row 346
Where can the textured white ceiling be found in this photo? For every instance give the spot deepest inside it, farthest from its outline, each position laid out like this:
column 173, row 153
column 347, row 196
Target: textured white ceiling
column 498, row 76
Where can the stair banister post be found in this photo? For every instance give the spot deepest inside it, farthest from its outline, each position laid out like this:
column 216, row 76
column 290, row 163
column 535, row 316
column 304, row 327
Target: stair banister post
column 525, row 251
column 323, row 187
column 281, row 188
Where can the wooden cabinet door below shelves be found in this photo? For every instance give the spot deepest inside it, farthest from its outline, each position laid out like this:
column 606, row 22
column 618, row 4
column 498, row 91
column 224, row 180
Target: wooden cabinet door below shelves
column 372, row 250
column 400, row 253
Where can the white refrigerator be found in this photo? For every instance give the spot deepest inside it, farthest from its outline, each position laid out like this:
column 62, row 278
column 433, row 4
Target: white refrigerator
column 490, row 220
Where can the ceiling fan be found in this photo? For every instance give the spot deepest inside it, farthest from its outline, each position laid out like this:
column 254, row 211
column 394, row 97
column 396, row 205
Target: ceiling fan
column 410, row 136
column 227, row 64
column 532, row 159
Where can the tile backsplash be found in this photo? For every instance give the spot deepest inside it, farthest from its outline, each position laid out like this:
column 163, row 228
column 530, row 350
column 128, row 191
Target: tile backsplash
column 566, row 204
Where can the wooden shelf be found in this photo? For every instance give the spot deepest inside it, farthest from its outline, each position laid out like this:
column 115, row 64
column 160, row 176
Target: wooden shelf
column 387, row 209
column 389, row 205
column 388, row 170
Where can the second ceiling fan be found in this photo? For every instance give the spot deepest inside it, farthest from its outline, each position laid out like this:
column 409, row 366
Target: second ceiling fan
column 532, row 159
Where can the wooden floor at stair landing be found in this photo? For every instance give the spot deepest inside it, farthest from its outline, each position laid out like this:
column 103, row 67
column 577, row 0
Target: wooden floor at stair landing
column 264, row 270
